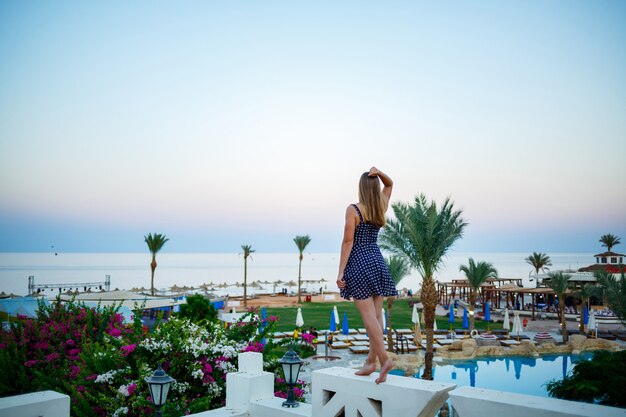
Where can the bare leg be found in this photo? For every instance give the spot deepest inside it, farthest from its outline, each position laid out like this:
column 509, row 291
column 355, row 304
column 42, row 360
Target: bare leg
column 385, row 363
column 367, row 308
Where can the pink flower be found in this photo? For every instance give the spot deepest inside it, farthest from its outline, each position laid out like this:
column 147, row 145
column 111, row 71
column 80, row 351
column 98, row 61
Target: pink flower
column 131, row 389
column 91, row 377
column 280, row 394
column 127, row 350
column 29, row 364
column 74, row 371
column 52, row 357
column 273, row 318
column 114, row 332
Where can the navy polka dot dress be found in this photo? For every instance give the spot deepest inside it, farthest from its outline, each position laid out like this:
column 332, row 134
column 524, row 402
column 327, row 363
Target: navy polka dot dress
column 366, row 272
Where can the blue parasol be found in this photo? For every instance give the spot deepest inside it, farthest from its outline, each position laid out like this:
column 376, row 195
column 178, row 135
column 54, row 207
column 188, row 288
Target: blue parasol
column 263, row 317
column 465, row 319
column 586, row 316
column 451, row 316
column 344, row 324
column 333, row 324
column 487, row 311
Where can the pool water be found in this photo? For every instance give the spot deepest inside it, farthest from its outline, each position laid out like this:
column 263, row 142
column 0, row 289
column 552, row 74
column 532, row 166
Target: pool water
column 518, row 374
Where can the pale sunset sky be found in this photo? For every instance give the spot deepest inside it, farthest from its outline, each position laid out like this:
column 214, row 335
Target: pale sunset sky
column 249, row 122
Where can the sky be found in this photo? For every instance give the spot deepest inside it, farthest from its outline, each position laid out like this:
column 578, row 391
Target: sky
column 229, row 123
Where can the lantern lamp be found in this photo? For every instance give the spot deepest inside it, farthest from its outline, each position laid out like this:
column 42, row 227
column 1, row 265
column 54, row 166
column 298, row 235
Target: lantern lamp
column 291, row 364
column 159, row 384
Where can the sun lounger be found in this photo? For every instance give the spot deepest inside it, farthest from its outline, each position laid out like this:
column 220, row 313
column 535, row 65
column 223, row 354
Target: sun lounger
column 404, row 331
column 606, row 335
column 339, row 345
column 360, row 337
column 362, row 331
column 359, row 349
column 359, row 343
column 509, row 342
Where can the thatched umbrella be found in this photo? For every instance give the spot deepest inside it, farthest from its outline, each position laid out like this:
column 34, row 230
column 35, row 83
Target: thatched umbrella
column 291, row 283
column 175, row 288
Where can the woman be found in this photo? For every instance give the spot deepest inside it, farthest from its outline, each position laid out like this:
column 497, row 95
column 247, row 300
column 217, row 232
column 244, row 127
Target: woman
column 363, row 274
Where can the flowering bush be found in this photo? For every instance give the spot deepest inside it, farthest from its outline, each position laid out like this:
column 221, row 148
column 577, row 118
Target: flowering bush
column 102, row 363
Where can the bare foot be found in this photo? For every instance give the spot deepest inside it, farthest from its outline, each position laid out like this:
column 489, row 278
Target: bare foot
column 367, row 369
column 384, row 370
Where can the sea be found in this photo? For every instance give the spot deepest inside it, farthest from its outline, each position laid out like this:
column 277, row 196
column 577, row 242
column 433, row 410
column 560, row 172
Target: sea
column 223, row 271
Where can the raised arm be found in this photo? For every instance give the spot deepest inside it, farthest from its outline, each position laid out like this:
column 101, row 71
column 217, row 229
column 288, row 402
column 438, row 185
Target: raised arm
column 346, row 243
column 387, row 182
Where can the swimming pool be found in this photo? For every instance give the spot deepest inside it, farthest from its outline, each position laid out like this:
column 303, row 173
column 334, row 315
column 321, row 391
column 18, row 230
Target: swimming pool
column 523, row 375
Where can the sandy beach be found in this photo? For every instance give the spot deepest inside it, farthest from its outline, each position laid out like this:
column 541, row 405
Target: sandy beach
column 289, row 301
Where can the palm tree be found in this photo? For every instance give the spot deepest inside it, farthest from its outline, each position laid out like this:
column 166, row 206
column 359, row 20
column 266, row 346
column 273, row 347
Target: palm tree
column 301, row 243
column 614, row 292
column 398, row 268
column 559, row 282
column 539, row 261
column 609, row 241
column 584, row 293
column 423, row 233
column 476, row 274
column 155, row 242
column 247, row 250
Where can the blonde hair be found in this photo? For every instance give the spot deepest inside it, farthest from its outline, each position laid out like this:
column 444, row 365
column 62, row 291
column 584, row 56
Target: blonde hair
column 371, row 199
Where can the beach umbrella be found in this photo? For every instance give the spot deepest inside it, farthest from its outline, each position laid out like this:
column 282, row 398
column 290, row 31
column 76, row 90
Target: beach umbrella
column 517, row 325
column 264, row 317
column 344, row 324
column 451, row 316
column 299, row 319
column 333, row 322
column 507, row 362
column 434, row 324
column 336, row 313
column 465, row 319
column 564, row 366
column 592, row 322
column 487, row 311
column 418, row 331
column 506, row 322
column 586, row 316
column 384, row 322
column 473, row 376
column 415, row 316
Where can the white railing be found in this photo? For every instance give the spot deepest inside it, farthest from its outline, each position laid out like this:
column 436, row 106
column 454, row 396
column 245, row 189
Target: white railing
column 338, row 392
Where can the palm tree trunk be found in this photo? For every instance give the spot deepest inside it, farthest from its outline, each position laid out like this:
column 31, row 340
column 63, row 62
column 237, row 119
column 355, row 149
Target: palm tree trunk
column 563, row 324
column 472, row 302
column 300, row 280
column 245, row 282
column 389, row 336
column 153, row 266
column 429, row 300
column 581, row 326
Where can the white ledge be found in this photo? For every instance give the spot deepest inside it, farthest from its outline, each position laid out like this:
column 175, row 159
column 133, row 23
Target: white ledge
column 479, row 402
column 336, row 389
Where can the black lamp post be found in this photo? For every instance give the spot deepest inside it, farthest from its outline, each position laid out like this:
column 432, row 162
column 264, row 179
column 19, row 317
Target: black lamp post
column 291, row 364
column 159, row 384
